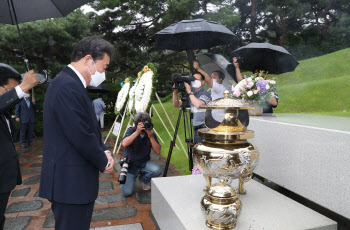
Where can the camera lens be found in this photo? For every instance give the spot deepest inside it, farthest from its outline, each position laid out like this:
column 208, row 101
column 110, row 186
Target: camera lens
column 123, row 171
column 148, row 125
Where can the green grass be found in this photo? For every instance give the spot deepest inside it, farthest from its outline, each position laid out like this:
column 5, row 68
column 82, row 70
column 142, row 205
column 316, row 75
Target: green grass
column 318, row 86
column 178, row 157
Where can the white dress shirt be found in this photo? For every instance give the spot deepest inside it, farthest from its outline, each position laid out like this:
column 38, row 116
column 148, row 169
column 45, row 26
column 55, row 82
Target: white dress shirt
column 82, row 79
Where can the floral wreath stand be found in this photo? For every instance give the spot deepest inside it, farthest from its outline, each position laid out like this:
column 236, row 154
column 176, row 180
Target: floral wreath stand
column 120, row 105
column 140, row 101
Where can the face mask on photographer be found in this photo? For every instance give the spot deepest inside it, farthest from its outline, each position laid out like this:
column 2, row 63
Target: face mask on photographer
column 97, row 78
column 196, row 84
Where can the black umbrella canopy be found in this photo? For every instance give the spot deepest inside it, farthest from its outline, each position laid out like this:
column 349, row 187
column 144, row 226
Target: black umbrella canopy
column 32, row 10
column 193, row 34
column 265, row 56
column 8, row 70
column 19, row 11
column 212, row 62
column 99, row 89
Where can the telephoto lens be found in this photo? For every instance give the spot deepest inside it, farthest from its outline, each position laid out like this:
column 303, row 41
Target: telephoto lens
column 124, row 163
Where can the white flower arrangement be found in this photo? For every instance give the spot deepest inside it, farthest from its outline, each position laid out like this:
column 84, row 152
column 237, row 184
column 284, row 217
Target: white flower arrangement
column 254, row 89
column 144, row 90
column 122, row 96
column 132, row 94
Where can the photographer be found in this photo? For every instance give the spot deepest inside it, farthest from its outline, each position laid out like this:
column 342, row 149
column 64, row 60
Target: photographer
column 197, row 98
column 138, row 142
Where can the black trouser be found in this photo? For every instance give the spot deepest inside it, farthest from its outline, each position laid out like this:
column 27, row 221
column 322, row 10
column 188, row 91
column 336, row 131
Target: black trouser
column 72, row 216
column 4, row 198
column 26, row 133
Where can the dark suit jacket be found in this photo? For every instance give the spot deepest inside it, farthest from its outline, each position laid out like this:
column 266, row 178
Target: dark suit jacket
column 24, row 113
column 10, row 174
column 8, row 100
column 73, row 148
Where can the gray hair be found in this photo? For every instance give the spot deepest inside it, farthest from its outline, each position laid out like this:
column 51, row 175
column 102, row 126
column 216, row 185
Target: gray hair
column 140, row 117
column 94, row 46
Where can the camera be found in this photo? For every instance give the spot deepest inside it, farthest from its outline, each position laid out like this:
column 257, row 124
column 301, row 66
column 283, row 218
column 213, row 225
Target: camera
column 148, row 125
column 180, row 79
column 124, row 163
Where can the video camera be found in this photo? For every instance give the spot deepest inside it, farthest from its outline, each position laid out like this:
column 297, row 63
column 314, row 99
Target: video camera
column 180, row 79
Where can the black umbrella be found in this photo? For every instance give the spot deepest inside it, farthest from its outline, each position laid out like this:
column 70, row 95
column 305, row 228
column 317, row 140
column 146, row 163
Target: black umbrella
column 193, row 34
column 211, row 62
column 18, row 11
column 274, row 59
column 6, row 70
column 99, row 89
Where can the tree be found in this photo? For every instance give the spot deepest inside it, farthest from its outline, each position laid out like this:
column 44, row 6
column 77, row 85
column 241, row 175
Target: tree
column 283, row 16
column 251, row 18
column 48, row 43
column 132, row 25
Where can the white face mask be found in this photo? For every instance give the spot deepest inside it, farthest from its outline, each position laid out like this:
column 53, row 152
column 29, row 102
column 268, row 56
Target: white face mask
column 97, row 78
column 196, row 84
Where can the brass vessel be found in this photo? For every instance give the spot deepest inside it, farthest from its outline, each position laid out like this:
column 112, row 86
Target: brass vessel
column 225, row 154
column 221, row 206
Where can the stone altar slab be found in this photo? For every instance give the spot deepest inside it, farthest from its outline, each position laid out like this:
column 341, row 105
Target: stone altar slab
column 176, row 206
column 307, row 154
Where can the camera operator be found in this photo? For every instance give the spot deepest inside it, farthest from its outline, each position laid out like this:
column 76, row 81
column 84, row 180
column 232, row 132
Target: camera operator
column 138, row 142
column 197, row 98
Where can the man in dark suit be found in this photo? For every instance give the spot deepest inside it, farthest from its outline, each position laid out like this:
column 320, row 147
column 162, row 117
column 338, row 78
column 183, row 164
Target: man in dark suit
column 73, row 149
column 25, row 114
column 10, row 94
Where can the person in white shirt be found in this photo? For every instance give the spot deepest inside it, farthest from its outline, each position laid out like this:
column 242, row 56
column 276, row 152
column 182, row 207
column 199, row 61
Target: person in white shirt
column 217, row 88
column 214, row 81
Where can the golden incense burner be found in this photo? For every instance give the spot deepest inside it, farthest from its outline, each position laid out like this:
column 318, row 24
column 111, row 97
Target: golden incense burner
column 225, row 154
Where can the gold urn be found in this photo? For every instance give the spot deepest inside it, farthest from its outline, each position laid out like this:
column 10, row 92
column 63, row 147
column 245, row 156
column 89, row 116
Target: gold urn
column 225, row 153
column 221, row 206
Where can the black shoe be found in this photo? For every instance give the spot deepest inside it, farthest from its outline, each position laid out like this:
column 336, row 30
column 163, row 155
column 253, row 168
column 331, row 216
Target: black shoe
column 32, row 144
column 23, row 145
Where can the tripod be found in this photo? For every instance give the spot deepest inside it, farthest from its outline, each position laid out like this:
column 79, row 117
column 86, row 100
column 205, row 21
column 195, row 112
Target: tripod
column 185, row 111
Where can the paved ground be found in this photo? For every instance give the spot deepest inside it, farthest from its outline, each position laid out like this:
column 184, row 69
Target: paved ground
column 26, row 210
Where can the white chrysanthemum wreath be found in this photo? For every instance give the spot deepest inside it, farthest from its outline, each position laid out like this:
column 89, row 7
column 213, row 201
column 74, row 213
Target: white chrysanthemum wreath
column 132, row 94
column 122, row 96
column 144, row 90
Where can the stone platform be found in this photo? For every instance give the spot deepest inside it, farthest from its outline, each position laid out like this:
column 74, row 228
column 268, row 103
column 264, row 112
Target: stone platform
column 176, row 205
column 308, row 155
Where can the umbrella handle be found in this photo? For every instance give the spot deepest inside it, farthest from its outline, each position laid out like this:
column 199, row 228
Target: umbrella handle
column 46, row 77
column 26, row 64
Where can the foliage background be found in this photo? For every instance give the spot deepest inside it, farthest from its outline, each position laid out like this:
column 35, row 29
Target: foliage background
column 306, row 28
